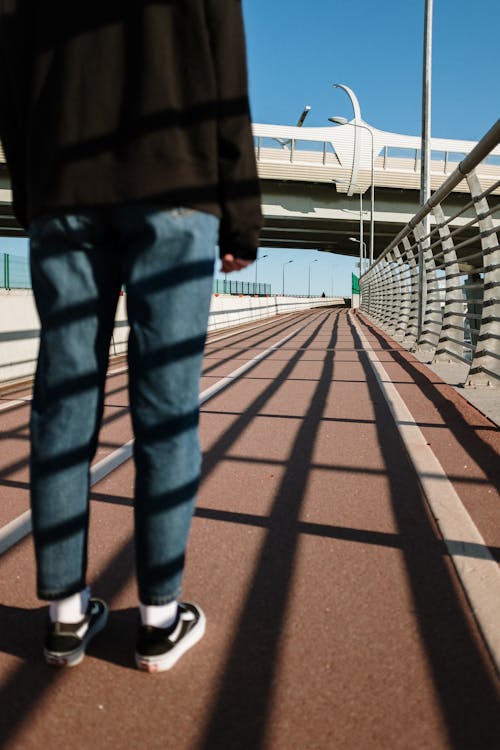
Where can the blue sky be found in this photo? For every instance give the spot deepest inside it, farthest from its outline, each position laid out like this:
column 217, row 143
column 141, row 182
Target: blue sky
column 297, row 49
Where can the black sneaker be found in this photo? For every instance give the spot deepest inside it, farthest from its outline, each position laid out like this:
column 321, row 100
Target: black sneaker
column 65, row 643
column 158, row 649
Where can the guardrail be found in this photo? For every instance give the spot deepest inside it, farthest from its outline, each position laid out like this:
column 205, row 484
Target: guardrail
column 230, row 286
column 437, row 289
column 14, row 272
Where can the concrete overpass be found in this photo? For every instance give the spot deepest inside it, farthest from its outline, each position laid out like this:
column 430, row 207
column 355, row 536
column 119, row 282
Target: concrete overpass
column 315, row 179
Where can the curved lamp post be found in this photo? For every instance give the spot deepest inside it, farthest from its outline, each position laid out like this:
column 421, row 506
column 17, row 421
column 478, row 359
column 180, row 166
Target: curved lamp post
column 283, row 269
column 344, row 121
column 362, row 252
column 309, row 282
column 256, row 261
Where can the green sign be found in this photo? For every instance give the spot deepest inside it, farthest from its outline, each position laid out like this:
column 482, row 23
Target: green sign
column 355, row 283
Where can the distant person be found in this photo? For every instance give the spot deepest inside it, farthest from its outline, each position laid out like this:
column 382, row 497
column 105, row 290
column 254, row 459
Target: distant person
column 127, row 136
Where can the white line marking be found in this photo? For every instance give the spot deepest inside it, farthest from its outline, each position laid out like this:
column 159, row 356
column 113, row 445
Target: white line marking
column 118, row 370
column 14, row 531
column 16, row 402
column 479, row 575
column 271, row 319
column 221, row 384
column 28, row 399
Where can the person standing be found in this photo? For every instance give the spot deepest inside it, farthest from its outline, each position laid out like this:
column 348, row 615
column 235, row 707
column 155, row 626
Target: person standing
column 127, row 136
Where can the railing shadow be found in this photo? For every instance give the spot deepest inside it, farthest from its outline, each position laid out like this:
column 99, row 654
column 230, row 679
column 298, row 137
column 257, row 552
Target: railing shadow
column 241, row 707
column 33, row 678
column 466, row 435
column 462, row 672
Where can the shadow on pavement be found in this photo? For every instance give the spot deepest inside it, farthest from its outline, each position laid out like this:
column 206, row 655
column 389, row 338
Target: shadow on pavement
column 241, row 707
column 479, row 450
column 462, row 671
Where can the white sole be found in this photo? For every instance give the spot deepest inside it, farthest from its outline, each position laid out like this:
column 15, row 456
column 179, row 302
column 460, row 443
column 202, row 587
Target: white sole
column 164, row 662
column 73, row 658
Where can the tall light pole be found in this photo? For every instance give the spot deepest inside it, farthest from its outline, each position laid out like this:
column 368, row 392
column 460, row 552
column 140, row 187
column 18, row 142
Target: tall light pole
column 256, row 261
column 425, row 190
column 353, row 239
column 309, row 282
column 344, row 121
column 283, row 269
column 425, row 150
column 362, row 252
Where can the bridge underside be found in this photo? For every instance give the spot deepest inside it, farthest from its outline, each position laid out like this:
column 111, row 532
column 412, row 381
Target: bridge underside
column 311, row 216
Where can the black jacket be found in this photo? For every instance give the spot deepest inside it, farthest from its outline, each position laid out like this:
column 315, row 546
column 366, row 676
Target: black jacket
column 105, row 102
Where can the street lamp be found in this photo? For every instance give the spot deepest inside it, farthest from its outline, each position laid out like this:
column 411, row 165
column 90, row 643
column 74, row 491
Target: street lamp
column 360, row 216
column 362, row 252
column 283, row 269
column 344, row 121
column 256, row 261
column 309, row 282
column 285, row 141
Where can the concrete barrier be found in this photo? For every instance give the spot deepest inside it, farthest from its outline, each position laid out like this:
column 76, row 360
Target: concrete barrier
column 19, row 325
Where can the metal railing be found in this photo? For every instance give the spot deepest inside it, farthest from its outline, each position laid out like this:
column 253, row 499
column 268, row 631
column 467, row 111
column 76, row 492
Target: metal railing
column 231, row 286
column 14, row 272
column 438, row 292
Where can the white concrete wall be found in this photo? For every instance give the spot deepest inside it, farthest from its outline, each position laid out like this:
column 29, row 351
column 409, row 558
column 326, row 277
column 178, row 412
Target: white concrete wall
column 19, row 323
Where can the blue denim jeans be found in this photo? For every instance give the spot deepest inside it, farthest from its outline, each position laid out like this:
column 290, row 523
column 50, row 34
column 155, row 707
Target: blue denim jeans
column 79, row 262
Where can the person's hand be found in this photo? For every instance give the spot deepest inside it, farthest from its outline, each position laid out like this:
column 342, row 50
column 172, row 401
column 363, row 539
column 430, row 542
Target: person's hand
column 230, row 263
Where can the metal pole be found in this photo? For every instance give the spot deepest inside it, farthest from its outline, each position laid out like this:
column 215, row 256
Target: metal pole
column 343, row 121
column 309, row 283
column 361, row 243
column 357, row 116
column 425, row 191
column 256, row 261
column 283, row 268
column 372, row 206
column 425, row 151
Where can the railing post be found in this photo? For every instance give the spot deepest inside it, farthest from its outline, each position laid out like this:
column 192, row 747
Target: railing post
column 449, row 347
column 432, row 317
column 391, row 284
column 485, row 367
column 403, row 313
column 411, row 330
column 379, row 296
column 6, row 270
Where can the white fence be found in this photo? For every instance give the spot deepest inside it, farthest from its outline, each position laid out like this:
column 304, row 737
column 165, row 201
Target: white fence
column 19, row 325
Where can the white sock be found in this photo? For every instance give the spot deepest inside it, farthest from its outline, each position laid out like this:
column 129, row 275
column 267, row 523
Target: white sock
column 72, row 609
column 159, row 616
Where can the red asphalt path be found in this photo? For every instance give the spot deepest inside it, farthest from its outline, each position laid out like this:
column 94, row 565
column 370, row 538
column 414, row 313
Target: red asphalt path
column 336, row 619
